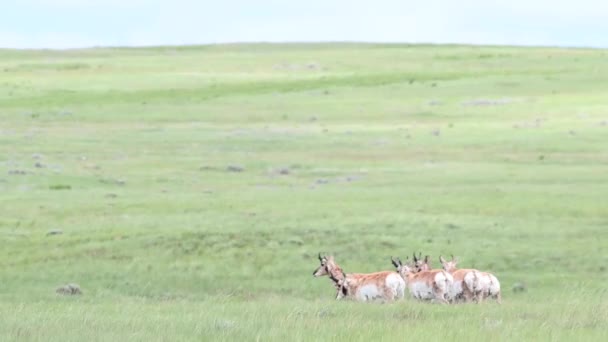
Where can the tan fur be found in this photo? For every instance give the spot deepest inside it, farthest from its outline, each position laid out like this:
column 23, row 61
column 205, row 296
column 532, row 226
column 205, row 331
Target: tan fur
column 354, row 281
column 476, row 285
column 470, row 292
column 428, row 279
column 349, row 284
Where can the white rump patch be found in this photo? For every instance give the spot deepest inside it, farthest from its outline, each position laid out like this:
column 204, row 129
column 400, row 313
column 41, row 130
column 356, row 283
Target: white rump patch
column 396, row 285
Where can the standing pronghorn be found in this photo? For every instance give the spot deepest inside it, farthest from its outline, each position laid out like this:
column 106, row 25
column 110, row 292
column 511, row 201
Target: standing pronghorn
column 425, row 285
column 387, row 285
column 471, row 284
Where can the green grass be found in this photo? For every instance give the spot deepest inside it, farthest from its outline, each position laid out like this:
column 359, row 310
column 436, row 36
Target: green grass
column 495, row 154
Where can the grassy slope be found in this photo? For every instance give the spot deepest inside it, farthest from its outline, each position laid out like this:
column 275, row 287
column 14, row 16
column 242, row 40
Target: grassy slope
column 495, row 154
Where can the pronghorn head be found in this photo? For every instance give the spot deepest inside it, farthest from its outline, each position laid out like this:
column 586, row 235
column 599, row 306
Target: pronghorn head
column 328, row 267
column 448, row 266
column 403, row 269
column 322, row 270
column 421, row 264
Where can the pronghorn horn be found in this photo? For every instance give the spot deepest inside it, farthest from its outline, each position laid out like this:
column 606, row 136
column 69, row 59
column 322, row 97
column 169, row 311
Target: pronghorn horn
column 320, row 257
column 419, row 255
column 395, row 262
column 415, row 259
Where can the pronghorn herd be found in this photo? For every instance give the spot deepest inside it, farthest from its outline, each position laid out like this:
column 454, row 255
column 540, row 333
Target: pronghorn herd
column 447, row 285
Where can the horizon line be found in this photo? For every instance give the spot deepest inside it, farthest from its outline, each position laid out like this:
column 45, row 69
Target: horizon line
column 306, row 42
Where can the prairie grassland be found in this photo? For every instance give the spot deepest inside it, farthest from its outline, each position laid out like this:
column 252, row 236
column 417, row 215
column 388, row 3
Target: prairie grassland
column 193, row 187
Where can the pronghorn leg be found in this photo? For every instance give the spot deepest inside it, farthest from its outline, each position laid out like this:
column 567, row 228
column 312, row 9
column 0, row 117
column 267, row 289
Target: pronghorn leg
column 459, row 298
column 388, row 294
column 498, row 298
column 467, row 294
column 439, row 294
column 436, row 294
column 479, row 296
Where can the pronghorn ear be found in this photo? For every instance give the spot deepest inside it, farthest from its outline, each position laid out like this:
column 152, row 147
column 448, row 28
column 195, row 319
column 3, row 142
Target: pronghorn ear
column 427, row 259
column 441, row 260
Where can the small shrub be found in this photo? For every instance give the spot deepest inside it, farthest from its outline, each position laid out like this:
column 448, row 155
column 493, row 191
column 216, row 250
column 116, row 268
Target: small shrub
column 60, row 187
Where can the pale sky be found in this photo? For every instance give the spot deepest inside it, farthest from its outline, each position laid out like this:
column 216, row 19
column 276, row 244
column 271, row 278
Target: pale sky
column 85, row 23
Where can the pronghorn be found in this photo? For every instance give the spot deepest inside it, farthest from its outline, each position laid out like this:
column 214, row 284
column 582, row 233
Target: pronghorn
column 425, row 285
column 387, row 285
column 471, row 284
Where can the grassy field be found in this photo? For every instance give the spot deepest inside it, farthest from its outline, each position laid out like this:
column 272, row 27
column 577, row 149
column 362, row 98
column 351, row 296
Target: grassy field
column 194, row 186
